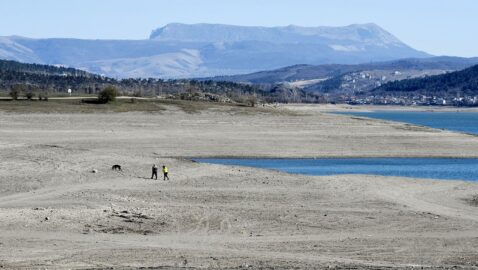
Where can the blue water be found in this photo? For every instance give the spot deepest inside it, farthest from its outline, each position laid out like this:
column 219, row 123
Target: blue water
column 436, row 168
column 457, row 121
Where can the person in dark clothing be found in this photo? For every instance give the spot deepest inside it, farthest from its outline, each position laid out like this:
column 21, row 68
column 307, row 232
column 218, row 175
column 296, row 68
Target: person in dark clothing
column 165, row 172
column 155, row 172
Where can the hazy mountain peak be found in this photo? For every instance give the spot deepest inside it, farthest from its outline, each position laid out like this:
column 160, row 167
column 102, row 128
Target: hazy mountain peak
column 373, row 30
column 214, row 33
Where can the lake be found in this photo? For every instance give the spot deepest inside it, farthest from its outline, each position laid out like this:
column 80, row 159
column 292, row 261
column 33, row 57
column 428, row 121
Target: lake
column 435, row 168
column 466, row 122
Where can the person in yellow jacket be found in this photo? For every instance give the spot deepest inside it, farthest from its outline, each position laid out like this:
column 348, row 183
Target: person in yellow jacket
column 165, row 173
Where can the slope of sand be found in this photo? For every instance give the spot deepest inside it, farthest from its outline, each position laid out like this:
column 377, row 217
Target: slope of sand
column 56, row 214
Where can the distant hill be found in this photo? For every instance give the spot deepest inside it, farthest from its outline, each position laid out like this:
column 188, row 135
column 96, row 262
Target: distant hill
column 311, row 72
column 206, row 50
column 14, row 66
column 47, row 79
column 459, row 83
column 457, row 88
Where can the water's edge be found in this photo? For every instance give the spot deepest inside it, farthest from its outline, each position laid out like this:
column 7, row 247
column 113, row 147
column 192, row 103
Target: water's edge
column 428, row 168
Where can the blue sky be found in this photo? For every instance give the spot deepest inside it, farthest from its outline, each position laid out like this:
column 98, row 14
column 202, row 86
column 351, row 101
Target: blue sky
column 440, row 27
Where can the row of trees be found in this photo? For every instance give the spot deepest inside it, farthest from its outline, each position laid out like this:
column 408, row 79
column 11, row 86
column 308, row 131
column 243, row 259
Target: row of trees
column 104, row 96
column 21, row 89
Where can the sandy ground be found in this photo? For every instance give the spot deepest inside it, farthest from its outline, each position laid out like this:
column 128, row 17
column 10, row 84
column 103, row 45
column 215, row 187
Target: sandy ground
column 56, row 214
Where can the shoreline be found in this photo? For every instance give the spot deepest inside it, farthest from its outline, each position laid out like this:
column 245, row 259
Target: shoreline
column 321, row 157
column 372, row 108
column 370, row 174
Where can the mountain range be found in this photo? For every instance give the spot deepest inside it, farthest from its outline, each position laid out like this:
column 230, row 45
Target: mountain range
column 205, row 50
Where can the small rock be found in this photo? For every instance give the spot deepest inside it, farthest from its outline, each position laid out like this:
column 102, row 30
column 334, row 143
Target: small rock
column 47, row 218
column 94, row 171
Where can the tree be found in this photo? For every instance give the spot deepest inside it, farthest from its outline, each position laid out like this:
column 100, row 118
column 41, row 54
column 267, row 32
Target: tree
column 252, row 101
column 108, row 94
column 29, row 95
column 43, row 97
column 14, row 94
column 16, row 90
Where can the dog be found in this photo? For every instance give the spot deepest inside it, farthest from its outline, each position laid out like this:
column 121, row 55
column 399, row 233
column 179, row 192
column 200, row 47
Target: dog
column 116, row 167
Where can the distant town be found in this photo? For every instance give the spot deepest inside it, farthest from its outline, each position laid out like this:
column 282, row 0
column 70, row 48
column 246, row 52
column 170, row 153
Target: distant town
column 361, row 88
column 411, row 100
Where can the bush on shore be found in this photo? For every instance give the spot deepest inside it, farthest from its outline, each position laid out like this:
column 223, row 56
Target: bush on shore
column 108, row 94
column 16, row 90
column 29, row 95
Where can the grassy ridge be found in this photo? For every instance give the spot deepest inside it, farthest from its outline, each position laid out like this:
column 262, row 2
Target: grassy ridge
column 76, row 105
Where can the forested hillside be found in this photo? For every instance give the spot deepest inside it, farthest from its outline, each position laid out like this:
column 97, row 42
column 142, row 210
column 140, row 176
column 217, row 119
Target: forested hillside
column 311, row 72
column 13, row 66
column 458, row 83
column 51, row 80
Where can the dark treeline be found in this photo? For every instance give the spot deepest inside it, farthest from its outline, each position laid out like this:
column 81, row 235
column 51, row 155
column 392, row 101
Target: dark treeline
column 6, row 65
column 461, row 83
column 326, row 86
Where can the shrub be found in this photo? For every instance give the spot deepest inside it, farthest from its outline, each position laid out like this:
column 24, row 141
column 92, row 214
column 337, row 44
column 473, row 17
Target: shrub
column 138, row 93
column 91, row 101
column 43, row 97
column 108, row 94
column 29, row 95
column 14, row 94
column 17, row 89
column 252, row 101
